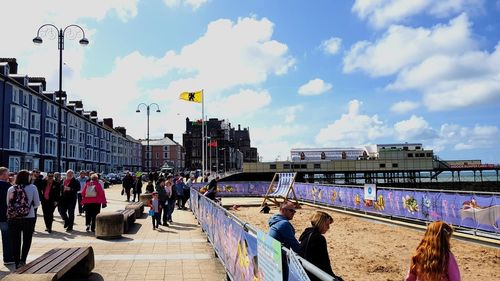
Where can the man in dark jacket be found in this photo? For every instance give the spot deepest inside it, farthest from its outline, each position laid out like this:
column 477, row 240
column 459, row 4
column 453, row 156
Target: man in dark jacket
column 128, row 184
column 8, row 257
column 51, row 193
column 67, row 204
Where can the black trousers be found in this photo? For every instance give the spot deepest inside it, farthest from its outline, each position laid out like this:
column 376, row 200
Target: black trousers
column 21, row 248
column 164, row 211
column 91, row 211
column 185, row 197
column 156, row 219
column 48, row 213
column 67, row 212
column 80, row 206
column 127, row 192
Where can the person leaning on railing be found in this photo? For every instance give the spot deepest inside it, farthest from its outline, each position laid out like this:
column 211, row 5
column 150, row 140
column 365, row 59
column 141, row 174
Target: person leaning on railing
column 313, row 246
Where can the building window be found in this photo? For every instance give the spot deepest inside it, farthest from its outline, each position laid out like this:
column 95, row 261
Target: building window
column 382, row 165
column 34, row 144
column 165, row 148
column 410, row 155
column 317, row 166
column 429, row 154
column 394, row 165
column 35, row 121
column 48, row 165
column 272, row 166
column 63, row 149
column 15, row 96
column 286, row 166
column 14, row 163
column 16, row 115
column 34, row 104
column 48, row 110
column 26, row 99
column 15, row 139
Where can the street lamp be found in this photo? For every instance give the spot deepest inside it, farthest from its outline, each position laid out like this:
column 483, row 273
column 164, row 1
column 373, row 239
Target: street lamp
column 223, row 149
column 148, row 107
column 48, row 31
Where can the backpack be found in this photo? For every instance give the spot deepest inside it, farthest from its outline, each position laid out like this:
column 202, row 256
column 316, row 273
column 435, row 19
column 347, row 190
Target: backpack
column 19, row 206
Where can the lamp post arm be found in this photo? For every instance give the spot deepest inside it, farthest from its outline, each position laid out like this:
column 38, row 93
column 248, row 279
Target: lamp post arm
column 47, row 24
column 74, row 25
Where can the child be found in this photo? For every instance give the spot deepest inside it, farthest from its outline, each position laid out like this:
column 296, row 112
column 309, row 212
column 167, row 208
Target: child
column 155, row 210
column 265, row 209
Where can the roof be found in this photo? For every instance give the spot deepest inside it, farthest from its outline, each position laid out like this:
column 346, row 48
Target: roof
column 163, row 142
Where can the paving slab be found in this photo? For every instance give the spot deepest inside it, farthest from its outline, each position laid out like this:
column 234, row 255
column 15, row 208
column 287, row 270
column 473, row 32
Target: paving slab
column 177, row 252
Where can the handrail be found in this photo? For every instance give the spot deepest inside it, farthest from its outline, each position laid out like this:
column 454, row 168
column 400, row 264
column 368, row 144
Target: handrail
column 252, row 230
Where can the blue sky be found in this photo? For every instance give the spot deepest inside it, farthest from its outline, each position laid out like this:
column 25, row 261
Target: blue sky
column 297, row 73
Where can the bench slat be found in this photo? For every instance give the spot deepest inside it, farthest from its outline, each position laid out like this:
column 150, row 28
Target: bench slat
column 70, row 261
column 36, row 261
column 47, row 267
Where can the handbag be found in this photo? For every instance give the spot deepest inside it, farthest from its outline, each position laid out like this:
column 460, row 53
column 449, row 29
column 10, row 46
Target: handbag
column 123, row 191
column 151, row 212
column 91, row 192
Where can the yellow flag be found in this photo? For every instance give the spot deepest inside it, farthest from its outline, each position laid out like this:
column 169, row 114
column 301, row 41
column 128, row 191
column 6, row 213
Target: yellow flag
column 192, row 96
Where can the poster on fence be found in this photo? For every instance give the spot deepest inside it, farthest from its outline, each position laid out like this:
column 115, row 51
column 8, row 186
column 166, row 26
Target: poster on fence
column 370, row 191
column 295, row 270
column 269, row 257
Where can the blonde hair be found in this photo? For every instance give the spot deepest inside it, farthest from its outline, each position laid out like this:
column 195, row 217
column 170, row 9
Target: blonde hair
column 320, row 219
column 430, row 261
column 94, row 176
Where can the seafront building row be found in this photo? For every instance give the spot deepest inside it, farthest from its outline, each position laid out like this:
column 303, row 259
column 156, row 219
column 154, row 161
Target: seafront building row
column 29, row 135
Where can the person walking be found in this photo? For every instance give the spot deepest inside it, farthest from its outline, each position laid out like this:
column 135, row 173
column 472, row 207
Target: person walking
column 313, row 246
column 187, row 191
column 137, row 188
column 8, row 257
column 433, row 259
column 128, row 184
column 22, row 200
column 163, row 199
column 68, row 201
column 51, row 194
column 170, row 192
column 155, row 209
column 179, row 191
column 93, row 197
column 82, row 180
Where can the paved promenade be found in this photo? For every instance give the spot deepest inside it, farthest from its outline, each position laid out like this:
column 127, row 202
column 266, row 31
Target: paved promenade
column 177, row 252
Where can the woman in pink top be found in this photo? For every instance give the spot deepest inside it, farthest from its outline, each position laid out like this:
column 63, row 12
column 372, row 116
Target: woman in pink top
column 433, row 260
column 92, row 198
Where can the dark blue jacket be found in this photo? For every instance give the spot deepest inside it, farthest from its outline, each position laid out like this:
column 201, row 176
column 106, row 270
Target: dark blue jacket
column 282, row 230
column 4, row 186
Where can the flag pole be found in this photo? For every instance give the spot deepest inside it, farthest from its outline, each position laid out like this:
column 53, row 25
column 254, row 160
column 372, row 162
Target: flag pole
column 202, row 134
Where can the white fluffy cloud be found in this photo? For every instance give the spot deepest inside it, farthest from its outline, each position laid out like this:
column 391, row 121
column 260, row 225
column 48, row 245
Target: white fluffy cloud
column 404, row 106
column 332, row 45
column 314, row 87
column 194, row 4
column 403, row 46
column 290, row 112
column 459, row 137
column 381, row 13
column 245, row 102
column 450, row 82
column 414, row 129
column 274, row 142
column 352, row 128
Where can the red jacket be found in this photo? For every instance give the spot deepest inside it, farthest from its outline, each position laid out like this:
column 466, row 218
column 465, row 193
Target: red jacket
column 99, row 199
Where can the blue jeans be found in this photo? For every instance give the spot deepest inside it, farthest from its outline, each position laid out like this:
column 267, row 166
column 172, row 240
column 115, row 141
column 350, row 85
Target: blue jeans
column 6, row 242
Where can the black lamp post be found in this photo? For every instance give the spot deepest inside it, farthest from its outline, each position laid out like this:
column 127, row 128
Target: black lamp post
column 148, row 107
column 48, row 31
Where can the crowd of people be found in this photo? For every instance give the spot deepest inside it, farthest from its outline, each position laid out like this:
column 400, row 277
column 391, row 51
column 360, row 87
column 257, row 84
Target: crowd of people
column 23, row 193
column 432, row 260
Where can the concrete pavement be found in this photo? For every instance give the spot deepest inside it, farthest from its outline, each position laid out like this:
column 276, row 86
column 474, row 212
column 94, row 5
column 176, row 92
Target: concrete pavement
column 177, row 252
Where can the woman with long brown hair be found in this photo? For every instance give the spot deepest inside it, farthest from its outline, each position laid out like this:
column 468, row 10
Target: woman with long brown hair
column 433, row 260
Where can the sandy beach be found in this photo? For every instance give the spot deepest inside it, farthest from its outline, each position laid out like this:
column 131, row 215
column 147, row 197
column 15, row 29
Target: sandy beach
column 362, row 249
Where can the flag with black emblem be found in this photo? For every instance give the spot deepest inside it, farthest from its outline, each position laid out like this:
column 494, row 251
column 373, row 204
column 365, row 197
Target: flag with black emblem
column 192, row 96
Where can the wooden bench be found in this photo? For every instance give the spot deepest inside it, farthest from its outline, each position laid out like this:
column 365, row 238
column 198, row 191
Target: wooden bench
column 138, row 207
column 55, row 263
column 128, row 219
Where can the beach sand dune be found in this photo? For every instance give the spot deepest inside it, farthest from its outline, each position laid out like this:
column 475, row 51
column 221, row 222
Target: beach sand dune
column 363, row 249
